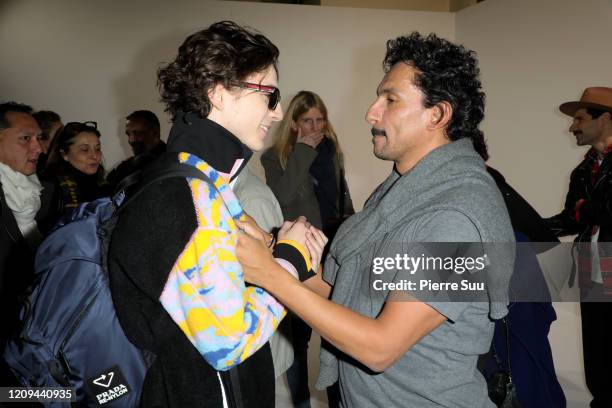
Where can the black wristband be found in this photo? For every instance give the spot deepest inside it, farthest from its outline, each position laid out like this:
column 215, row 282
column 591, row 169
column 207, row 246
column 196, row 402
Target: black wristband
column 294, row 257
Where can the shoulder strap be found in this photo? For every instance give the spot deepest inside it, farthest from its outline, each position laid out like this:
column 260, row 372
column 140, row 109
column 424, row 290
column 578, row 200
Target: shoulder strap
column 166, row 166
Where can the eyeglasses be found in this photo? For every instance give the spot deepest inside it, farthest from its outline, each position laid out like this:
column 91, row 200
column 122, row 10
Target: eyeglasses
column 272, row 92
column 89, row 123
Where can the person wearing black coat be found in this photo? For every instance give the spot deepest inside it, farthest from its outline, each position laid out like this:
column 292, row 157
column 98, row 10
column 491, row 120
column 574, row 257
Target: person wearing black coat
column 75, row 165
column 28, row 208
column 142, row 130
column 209, row 333
column 528, row 323
column 588, row 213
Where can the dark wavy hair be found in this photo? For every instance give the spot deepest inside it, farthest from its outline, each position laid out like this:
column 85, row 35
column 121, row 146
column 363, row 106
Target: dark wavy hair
column 56, row 165
column 445, row 72
column 224, row 53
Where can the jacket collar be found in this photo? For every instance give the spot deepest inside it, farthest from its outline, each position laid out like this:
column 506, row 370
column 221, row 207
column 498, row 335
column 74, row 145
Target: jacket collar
column 159, row 149
column 210, row 142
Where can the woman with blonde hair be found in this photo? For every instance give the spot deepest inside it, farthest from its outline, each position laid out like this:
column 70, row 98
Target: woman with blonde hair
column 304, row 168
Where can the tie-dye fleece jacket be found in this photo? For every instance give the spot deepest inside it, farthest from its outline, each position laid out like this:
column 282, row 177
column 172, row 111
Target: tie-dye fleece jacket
column 205, row 293
column 162, row 250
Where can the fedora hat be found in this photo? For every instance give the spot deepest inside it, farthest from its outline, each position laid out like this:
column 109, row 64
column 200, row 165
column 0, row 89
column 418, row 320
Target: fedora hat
column 597, row 97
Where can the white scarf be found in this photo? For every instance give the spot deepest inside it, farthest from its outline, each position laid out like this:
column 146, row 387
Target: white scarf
column 22, row 194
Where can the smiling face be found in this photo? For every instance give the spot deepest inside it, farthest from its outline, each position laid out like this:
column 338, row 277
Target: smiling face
column 20, row 143
column 245, row 112
column 400, row 122
column 84, row 154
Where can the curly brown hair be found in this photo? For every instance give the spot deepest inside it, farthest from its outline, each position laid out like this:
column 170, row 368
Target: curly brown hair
column 224, row 53
column 446, row 72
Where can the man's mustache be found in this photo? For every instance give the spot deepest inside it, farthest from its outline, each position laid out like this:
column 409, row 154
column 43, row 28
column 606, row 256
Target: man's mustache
column 379, row 132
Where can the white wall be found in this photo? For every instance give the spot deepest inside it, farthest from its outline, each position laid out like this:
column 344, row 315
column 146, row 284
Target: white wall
column 430, row 5
column 93, row 60
column 534, row 55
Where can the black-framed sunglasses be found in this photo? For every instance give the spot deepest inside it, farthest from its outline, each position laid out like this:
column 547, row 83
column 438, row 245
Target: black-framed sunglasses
column 272, row 92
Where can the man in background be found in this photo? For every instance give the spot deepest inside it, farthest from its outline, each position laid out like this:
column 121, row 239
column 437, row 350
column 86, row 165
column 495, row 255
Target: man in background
column 142, row 130
column 24, row 206
column 50, row 124
column 588, row 213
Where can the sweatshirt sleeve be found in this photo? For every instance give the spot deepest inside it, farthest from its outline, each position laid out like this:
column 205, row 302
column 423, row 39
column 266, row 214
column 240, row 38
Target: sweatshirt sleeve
column 285, row 182
column 226, row 320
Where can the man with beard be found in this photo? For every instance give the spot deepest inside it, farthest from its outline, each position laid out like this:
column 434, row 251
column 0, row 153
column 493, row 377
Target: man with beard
column 588, row 213
column 142, row 129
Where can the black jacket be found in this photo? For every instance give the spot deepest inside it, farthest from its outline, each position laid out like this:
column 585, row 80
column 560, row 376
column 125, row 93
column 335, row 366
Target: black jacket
column 596, row 190
column 134, row 164
column 17, row 257
column 523, row 216
column 76, row 187
column 149, row 237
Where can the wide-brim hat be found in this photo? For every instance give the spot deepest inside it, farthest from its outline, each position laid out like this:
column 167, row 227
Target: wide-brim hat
column 597, row 97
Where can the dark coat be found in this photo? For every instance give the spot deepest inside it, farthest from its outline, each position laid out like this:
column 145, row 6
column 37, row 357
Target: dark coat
column 533, row 369
column 597, row 209
column 523, row 216
column 17, row 257
column 149, row 236
column 133, row 164
column 76, row 187
column 294, row 188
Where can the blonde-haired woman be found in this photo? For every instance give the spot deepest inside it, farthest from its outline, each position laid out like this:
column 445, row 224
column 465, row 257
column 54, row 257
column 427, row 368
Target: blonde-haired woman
column 304, row 169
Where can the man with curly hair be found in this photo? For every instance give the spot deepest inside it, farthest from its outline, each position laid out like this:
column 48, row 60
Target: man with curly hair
column 390, row 352
column 176, row 284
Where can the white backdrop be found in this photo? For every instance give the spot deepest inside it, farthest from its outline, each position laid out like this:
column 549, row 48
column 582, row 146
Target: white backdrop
column 534, row 55
column 93, row 60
